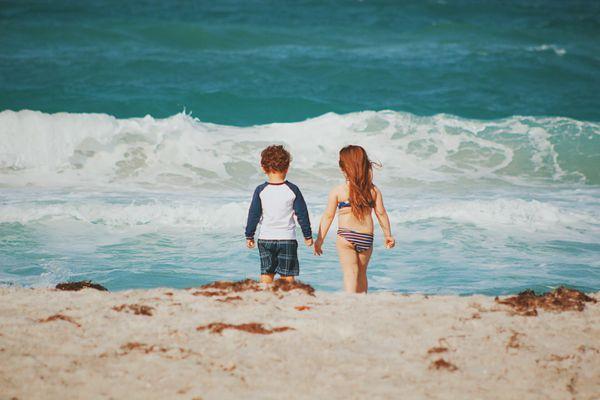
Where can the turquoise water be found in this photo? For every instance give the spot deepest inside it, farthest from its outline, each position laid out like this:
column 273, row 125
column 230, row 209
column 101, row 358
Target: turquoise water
column 139, row 243
column 484, row 116
column 256, row 62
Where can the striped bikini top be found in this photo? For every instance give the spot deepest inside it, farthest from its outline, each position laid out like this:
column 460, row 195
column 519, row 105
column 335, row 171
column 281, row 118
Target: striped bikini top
column 343, row 204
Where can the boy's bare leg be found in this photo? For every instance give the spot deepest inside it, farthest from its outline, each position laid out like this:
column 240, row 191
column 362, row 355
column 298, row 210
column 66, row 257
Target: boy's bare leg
column 267, row 278
column 287, row 278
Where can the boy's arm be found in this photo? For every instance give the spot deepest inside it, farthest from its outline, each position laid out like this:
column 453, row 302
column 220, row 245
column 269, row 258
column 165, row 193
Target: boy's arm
column 301, row 212
column 254, row 214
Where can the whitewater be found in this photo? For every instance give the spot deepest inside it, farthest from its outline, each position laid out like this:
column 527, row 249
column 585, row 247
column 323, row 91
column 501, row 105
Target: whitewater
column 476, row 206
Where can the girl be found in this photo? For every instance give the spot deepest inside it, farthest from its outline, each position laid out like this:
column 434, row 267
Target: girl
column 354, row 201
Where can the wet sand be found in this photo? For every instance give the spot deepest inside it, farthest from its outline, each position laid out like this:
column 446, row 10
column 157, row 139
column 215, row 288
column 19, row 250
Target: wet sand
column 228, row 342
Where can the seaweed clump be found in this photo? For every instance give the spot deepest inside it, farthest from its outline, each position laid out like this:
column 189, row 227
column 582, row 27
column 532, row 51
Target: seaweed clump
column 79, row 285
column 440, row 363
column 286, row 286
column 229, row 299
column 137, row 309
column 61, row 317
column 238, row 286
column 439, row 349
column 252, row 327
column 222, row 288
column 129, row 347
column 527, row 302
column 170, row 353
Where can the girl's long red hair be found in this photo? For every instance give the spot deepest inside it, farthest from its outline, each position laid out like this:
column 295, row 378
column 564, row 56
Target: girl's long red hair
column 355, row 163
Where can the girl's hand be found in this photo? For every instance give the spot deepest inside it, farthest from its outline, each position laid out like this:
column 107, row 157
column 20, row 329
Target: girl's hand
column 390, row 242
column 250, row 243
column 318, row 248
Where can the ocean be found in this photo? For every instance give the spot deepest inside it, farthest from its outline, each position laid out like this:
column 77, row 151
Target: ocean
column 130, row 136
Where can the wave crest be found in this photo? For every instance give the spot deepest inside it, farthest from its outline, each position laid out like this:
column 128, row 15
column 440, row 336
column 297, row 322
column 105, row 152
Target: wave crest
column 65, row 149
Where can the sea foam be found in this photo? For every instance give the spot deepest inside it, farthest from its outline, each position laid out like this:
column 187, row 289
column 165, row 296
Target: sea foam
column 208, row 217
column 38, row 149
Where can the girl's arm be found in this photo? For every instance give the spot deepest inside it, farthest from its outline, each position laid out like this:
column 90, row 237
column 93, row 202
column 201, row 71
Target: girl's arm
column 384, row 220
column 326, row 220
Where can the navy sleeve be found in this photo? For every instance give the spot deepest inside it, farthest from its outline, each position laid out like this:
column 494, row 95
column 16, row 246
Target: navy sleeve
column 301, row 211
column 254, row 213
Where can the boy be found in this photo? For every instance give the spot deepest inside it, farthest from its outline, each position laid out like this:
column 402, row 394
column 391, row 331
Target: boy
column 274, row 205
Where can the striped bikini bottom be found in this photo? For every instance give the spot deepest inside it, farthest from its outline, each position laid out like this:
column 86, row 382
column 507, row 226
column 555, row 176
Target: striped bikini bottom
column 360, row 241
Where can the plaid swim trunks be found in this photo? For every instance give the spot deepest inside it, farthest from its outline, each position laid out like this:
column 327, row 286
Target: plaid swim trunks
column 279, row 257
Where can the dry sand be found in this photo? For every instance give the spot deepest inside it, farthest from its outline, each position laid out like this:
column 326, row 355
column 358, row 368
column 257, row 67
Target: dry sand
column 178, row 344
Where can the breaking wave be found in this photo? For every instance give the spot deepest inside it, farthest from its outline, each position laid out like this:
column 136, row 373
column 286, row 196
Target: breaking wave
column 38, row 149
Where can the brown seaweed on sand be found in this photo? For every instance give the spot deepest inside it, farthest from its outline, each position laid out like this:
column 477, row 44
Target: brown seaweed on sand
column 209, row 293
column 440, row 363
column 221, row 288
column 61, row 317
column 128, row 347
column 251, row 327
column 439, row 349
column 239, row 286
column 571, row 385
column 285, row 286
column 513, row 341
column 229, row 299
column 170, row 353
column 527, row 302
column 74, row 286
column 137, row 309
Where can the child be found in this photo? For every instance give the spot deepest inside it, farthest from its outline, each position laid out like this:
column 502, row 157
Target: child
column 274, row 205
column 354, row 201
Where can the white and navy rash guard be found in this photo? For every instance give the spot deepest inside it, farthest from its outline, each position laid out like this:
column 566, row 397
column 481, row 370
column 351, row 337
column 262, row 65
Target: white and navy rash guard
column 274, row 206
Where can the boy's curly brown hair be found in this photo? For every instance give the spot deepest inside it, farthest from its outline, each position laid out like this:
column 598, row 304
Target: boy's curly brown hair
column 275, row 158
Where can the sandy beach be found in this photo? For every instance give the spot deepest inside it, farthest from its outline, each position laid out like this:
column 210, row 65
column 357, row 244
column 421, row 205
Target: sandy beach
column 438, row 153
column 215, row 343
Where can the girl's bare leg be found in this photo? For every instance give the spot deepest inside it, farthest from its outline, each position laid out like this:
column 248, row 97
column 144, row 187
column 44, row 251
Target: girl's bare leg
column 363, row 263
column 349, row 262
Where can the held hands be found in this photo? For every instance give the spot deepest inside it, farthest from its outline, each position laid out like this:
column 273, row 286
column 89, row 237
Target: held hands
column 308, row 242
column 389, row 242
column 318, row 248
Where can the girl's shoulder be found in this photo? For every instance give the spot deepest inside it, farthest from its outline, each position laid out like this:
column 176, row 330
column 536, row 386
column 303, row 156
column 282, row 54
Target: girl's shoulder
column 339, row 190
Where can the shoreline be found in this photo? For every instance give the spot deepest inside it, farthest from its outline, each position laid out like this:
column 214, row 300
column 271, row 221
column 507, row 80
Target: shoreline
column 223, row 341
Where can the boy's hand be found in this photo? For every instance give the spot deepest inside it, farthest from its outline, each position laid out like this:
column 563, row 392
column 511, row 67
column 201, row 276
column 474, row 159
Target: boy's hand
column 318, row 248
column 390, row 242
column 250, row 243
column 308, row 242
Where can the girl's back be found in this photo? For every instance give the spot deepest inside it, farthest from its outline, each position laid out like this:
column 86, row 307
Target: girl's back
column 346, row 219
